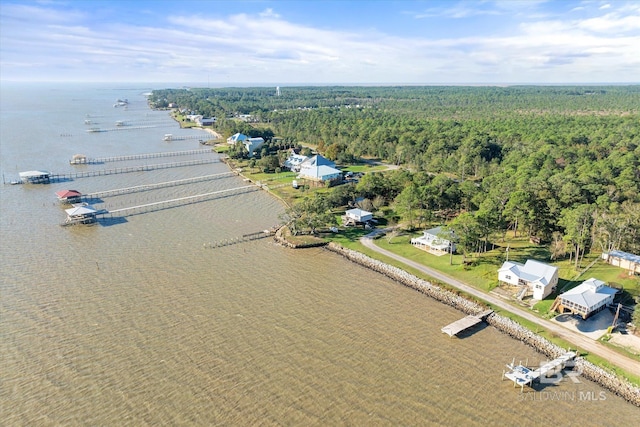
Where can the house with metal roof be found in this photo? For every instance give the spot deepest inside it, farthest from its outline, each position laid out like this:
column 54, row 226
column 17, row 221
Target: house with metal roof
column 537, row 277
column 294, row 161
column 357, row 216
column 319, row 169
column 436, row 240
column 587, row 298
column 626, row 260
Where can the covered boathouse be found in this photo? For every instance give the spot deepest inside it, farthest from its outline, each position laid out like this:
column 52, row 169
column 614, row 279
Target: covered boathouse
column 69, row 196
column 80, row 214
column 35, row 177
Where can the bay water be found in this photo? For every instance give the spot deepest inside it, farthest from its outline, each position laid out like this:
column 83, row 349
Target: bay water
column 136, row 322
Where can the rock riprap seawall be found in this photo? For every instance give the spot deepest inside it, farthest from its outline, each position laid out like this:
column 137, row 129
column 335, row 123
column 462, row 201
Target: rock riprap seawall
column 504, row 324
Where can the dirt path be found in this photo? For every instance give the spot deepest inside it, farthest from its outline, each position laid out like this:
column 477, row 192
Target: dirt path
column 583, row 343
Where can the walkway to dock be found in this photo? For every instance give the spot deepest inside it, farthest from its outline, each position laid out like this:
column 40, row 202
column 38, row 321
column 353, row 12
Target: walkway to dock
column 150, row 207
column 244, row 238
column 99, row 160
column 465, row 323
column 170, row 137
column 142, row 168
column 148, row 187
column 97, row 130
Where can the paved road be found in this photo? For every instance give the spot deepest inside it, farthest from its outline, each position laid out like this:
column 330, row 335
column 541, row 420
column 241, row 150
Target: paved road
column 582, row 342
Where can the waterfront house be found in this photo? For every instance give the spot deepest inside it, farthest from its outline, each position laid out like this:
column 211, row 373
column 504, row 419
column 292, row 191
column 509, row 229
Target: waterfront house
column 294, row 161
column 206, row 121
column 534, row 276
column 253, row 144
column 626, row 260
column 35, row 177
column 69, row 196
column 357, row 216
column 587, row 298
column 435, row 240
column 319, row 170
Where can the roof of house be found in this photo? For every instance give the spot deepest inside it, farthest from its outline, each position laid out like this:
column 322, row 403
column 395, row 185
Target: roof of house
column 439, row 232
column 358, row 212
column 589, row 293
column 319, row 171
column 318, row 160
column 531, row 271
column 626, row 256
column 237, row 137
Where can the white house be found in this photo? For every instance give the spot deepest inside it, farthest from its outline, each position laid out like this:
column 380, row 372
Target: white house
column 206, row 121
column 252, row 144
column 319, row 169
column 538, row 277
column 294, row 161
column 358, row 215
column 432, row 240
column 587, row 298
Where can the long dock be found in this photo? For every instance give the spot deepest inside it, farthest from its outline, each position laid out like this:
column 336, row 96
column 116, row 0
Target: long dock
column 141, row 168
column 149, row 187
column 99, row 160
column 522, row 375
column 244, row 238
column 170, row 137
column 165, row 204
column 465, row 323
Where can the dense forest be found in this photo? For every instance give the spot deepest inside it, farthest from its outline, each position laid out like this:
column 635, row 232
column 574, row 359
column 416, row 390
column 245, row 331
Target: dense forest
column 559, row 163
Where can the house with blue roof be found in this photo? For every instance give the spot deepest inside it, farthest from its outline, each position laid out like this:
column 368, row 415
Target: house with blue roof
column 534, row 276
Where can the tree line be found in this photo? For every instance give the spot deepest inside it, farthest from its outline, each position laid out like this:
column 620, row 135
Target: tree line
column 558, row 164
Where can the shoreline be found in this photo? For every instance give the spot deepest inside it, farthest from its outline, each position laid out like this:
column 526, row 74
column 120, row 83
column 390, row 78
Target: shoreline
column 619, row 386
column 588, row 370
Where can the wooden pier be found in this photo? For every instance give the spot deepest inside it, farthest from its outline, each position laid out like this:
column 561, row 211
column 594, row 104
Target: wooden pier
column 171, row 137
column 100, row 160
column 149, row 187
column 465, row 323
column 142, row 168
column 182, row 201
column 244, row 238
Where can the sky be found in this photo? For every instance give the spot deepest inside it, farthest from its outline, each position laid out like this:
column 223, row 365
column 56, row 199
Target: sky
column 292, row 42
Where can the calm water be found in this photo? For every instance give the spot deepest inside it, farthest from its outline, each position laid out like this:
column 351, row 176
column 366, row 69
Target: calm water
column 134, row 322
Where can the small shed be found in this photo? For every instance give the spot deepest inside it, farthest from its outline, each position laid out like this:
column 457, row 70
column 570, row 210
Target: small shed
column 81, row 214
column 69, row 196
column 35, row 177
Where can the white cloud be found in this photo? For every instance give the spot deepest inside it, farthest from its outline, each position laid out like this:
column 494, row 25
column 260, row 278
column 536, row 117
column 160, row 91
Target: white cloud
column 266, row 47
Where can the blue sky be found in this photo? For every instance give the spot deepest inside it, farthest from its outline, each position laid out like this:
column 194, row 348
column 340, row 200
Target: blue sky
column 321, row 42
